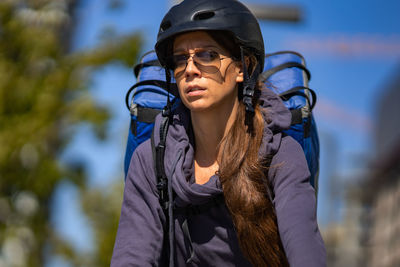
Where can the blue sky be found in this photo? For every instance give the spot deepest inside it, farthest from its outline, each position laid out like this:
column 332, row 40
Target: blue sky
column 351, row 49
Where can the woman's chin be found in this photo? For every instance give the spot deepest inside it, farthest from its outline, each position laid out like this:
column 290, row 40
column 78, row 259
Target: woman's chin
column 198, row 106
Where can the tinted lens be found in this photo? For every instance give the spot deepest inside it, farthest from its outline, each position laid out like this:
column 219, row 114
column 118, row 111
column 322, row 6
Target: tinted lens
column 207, row 61
column 206, row 57
column 179, row 61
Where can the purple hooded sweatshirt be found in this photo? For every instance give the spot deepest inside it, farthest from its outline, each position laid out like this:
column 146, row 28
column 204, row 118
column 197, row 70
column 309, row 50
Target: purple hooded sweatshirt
column 140, row 233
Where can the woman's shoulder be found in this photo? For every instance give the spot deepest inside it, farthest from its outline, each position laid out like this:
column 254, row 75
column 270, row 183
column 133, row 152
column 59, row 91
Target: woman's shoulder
column 144, row 151
column 141, row 167
column 289, row 165
column 290, row 149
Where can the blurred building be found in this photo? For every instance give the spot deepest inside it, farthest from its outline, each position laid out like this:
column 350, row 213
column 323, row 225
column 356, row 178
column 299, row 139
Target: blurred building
column 381, row 194
column 344, row 237
column 369, row 233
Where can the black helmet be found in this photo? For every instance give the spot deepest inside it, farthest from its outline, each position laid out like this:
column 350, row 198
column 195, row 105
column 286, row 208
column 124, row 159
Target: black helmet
column 219, row 15
column 229, row 16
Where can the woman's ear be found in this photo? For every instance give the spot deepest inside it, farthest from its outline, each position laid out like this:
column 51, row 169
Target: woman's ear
column 239, row 78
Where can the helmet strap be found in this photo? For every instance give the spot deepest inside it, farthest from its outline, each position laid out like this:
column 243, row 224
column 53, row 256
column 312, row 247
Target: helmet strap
column 249, row 82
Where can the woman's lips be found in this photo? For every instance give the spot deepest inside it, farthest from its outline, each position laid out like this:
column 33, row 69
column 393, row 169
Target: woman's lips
column 194, row 90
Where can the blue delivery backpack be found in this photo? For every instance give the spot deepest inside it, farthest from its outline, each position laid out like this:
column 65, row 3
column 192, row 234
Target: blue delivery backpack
column 285, row 73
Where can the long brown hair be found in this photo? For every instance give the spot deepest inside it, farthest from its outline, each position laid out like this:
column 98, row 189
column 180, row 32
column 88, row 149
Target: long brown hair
column 245, row 185
column 242, row 174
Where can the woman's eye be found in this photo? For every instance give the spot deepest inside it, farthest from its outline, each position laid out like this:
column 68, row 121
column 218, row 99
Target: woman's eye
column 180, row 59
column 207, row 55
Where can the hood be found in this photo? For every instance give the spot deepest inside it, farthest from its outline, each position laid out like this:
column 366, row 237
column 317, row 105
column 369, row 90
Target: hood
column 179, row 152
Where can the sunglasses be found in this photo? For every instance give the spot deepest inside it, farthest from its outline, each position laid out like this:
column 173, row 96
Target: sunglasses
column 207, row 61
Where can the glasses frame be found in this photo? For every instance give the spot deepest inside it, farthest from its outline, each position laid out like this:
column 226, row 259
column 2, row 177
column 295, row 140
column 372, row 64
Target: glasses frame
column 211, row 69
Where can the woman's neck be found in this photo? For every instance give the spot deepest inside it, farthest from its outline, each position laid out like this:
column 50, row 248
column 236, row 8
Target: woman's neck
column 209, row 128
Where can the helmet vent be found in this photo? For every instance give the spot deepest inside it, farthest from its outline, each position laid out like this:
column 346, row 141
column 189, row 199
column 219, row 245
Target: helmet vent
column 204, row 15
column 165, row 25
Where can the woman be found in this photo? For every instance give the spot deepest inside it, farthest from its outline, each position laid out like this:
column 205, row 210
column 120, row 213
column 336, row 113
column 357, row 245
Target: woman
column 224, row 139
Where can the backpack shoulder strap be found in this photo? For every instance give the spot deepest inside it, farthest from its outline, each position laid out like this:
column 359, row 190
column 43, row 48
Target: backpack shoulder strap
column 163, row 187
column 158, row 156
column 164, row 253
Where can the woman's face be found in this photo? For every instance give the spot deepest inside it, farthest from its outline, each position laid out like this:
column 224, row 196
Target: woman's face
column 205, row 74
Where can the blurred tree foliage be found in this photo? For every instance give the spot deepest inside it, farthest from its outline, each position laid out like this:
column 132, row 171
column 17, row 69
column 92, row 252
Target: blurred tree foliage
column 44, row 95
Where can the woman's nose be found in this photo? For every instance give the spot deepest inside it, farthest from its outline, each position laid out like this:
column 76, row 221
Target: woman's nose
column 191, row 68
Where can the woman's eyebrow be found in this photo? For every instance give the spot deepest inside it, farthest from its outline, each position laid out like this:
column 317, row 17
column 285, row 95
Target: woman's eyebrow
column 198, row 47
